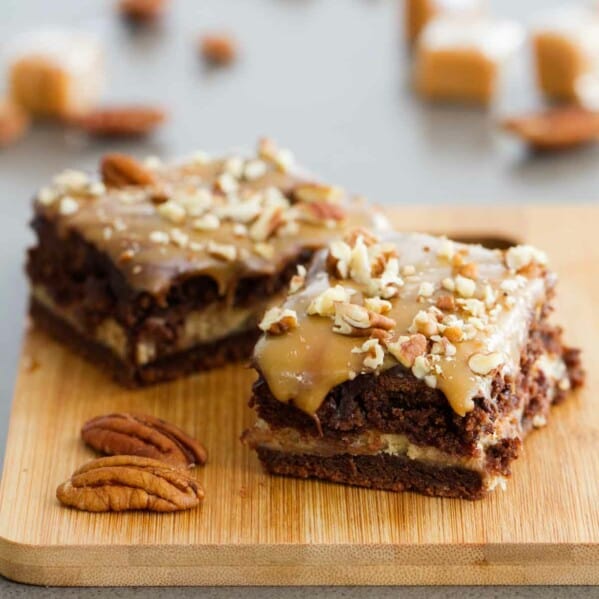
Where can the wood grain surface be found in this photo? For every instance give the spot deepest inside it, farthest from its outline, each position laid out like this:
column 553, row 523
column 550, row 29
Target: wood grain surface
column 256, row 529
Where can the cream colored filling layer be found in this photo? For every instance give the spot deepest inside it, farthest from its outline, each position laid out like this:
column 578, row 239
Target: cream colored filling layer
column 289, row 440
column 210, row 324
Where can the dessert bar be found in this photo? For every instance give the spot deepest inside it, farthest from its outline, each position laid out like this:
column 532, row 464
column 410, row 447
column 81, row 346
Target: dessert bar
column 411, row 363
column 462, row 59
column 56, row 73
column 566, row 52
column 155, row 271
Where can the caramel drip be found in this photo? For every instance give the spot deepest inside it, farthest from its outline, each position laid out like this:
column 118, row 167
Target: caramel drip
column 303, row 365
column 154, row 267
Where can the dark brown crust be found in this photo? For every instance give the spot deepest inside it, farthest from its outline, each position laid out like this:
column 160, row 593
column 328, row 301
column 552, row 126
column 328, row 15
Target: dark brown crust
column 203, row 357
column 381, row 471
column 396, row 402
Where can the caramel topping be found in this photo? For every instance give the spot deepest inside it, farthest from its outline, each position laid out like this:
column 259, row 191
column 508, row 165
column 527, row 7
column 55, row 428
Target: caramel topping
column 454, row 332
column 225, row 218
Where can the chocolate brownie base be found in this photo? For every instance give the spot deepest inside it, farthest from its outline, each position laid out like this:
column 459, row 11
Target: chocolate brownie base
column 396, row 402
column 202, row 357
column 79, row 278
column 381, row 471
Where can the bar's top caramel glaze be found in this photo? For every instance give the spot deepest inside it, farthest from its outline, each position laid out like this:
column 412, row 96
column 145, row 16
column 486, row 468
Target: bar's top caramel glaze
column 226, row 218
column 454, row 314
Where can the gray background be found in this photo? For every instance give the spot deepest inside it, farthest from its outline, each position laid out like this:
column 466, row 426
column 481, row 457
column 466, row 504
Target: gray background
column 327, row 78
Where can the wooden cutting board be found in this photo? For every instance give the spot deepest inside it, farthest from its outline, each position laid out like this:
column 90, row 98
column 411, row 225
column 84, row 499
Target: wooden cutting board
column 254, row 529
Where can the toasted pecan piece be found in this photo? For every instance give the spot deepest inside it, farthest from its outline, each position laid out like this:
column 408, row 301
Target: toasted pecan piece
column 218, row 49
column 120, row 483
column 142, row 11
column 121, row 121
column 143, row 435
column 14, row 122
column 556, row 129
column 120, row 170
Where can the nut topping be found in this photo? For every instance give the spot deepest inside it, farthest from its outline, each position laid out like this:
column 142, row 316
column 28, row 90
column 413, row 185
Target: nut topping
column 277, row 321
column 143, row 435
column 121, row 170
column 483, row 364
column 406, row 349
column 317, row 192
column 358, row 321
column 123, row 482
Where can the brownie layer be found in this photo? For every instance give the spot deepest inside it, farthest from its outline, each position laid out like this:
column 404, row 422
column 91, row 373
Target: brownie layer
column 396, row 402
column 201, row 357
column 83, row 281
column 381, row 471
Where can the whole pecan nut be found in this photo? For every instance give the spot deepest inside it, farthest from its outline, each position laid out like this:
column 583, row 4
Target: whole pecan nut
column 123, row 121
column 120, row 170
column 120, row 483
column 143, row 435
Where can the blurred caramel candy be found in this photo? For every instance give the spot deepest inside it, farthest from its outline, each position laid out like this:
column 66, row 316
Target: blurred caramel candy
column 460, row 59
column 566, row 50
column 55, row 73
column 419, row 12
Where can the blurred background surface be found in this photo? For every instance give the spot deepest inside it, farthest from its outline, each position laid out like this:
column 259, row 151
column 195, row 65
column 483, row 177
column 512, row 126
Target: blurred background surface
column 328, row 79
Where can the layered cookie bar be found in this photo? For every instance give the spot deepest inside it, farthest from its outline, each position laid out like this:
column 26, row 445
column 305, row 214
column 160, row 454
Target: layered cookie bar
column 566, row 51
column 154, row 271
column 461, row 59
column 409, row 363
column 56, row 73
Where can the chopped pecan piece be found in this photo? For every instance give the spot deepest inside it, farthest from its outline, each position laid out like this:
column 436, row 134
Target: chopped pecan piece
column 406, row 349
column 446, row 302
column 143, row 435
column 14, row 122
column 556, row 129
column 367, row 236
column 121, row 170
column 277, row 321
column 356, row 320
column 317, row 192
column 123, row 121
column 320, row 212
column 123, row 482
column 218, row 49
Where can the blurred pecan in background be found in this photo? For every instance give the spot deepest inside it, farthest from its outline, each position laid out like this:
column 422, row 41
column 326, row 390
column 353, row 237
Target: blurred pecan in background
column 142, row 11
column 121, row 121
column 557, row 128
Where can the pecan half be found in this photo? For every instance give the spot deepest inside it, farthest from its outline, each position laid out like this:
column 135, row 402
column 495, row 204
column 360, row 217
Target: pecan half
column 120, row 483
column 14, row 122
column 121, row 121
column 141, row 11
column 120, row 170
column 556, row 129
column 143, row 435
column 218, row 49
